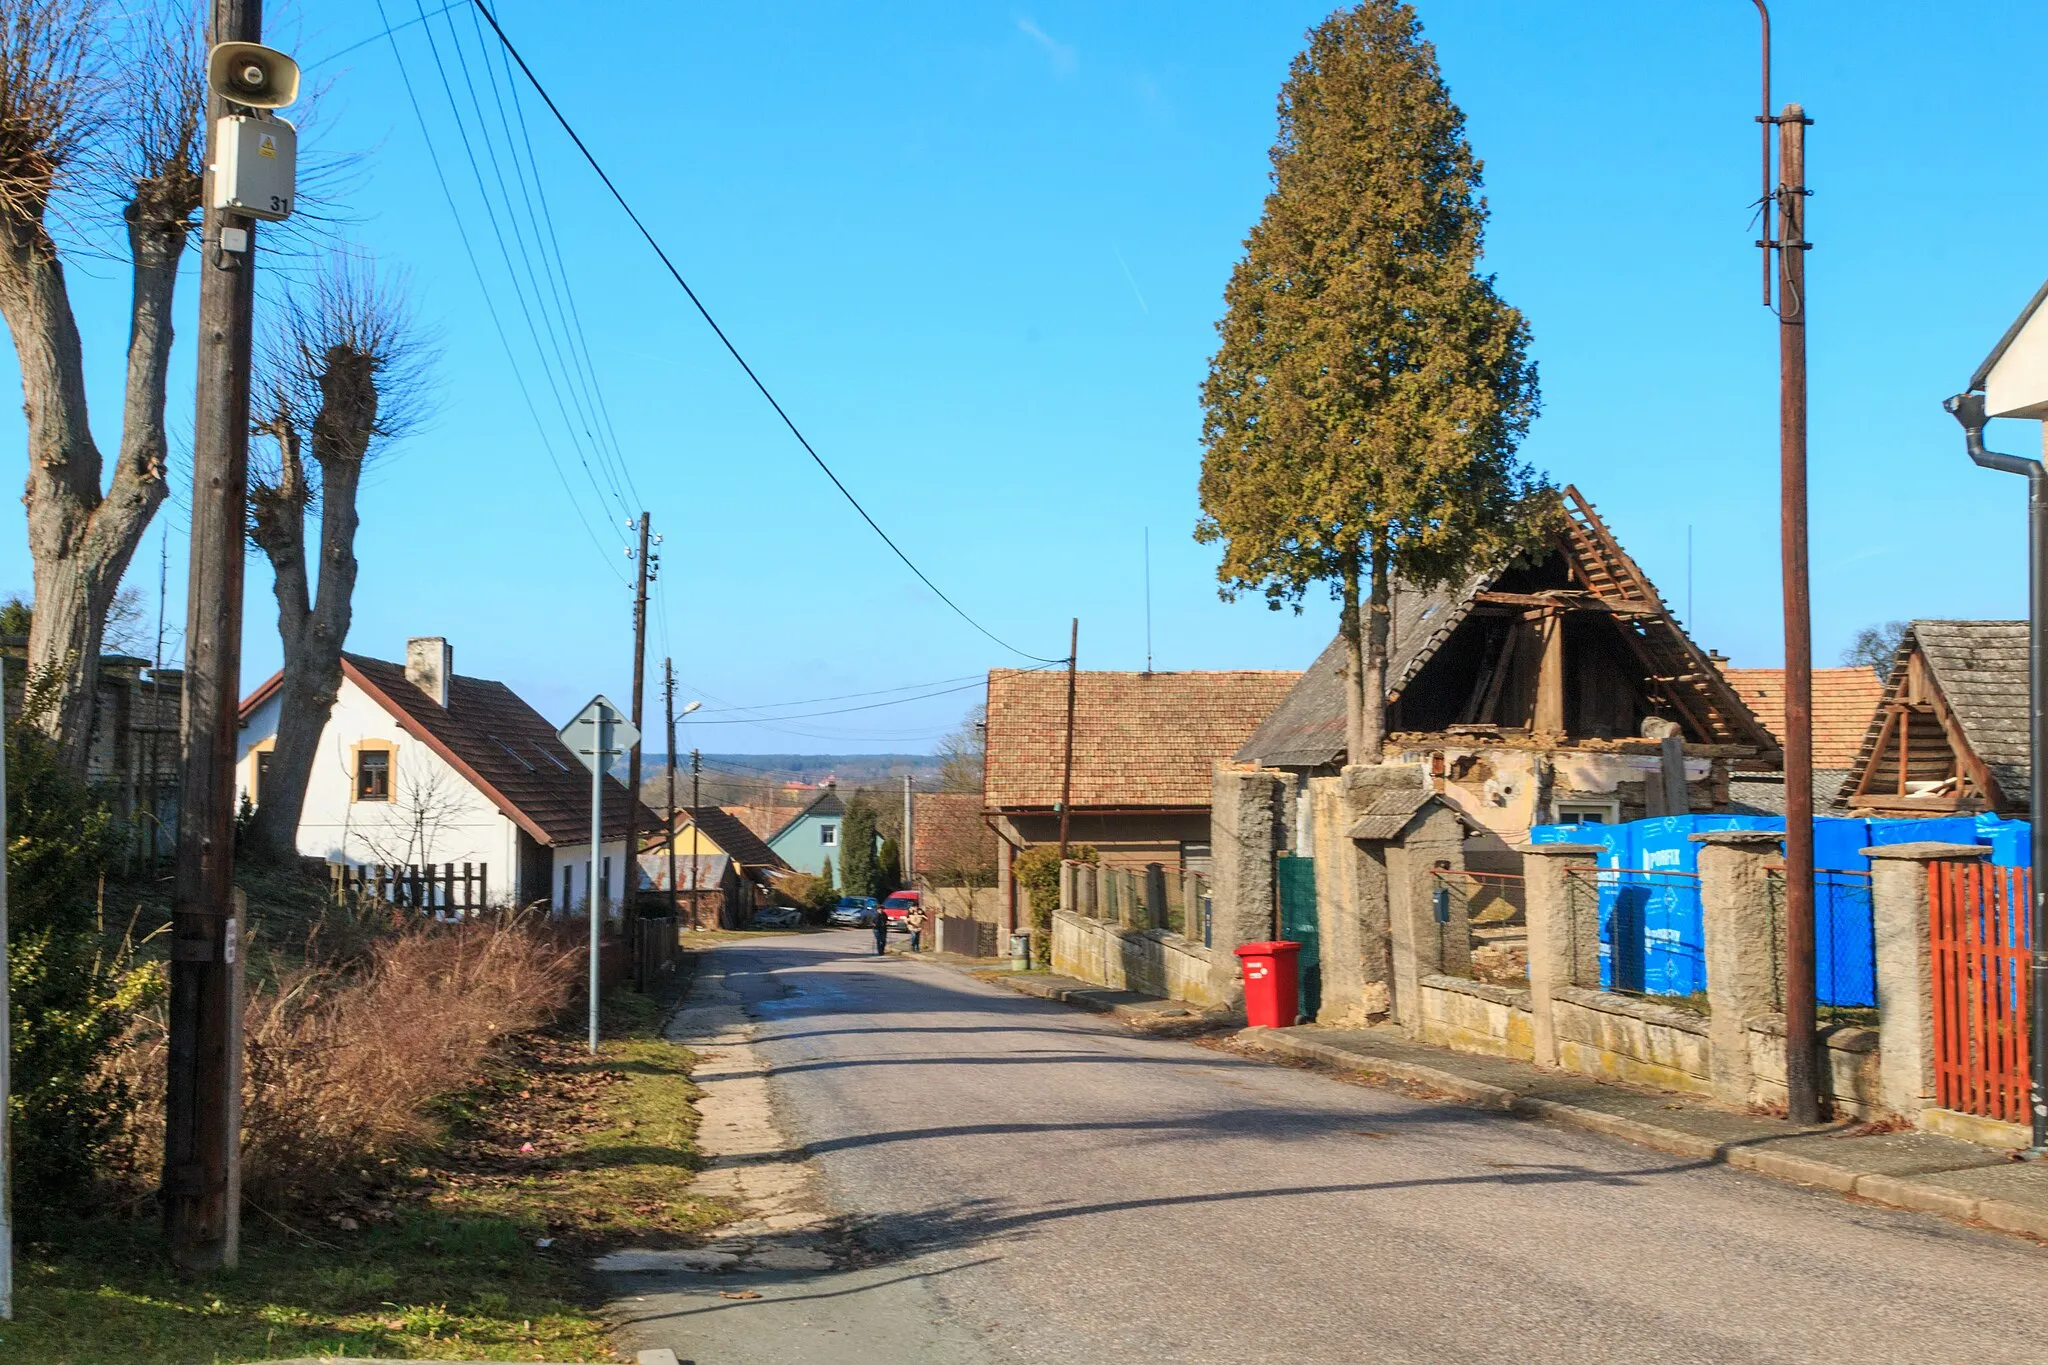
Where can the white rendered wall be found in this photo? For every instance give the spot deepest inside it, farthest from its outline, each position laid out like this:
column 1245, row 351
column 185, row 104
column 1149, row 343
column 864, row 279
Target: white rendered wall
column 434, row 814
column 575, row 858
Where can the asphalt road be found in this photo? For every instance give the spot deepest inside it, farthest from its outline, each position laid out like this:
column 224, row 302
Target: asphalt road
column 1056, row 1188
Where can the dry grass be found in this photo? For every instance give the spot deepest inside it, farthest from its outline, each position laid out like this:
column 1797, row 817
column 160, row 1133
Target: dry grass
column 345, row 1064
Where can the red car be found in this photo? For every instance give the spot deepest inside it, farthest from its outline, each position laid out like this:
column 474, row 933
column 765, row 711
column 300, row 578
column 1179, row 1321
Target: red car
column 899, row 904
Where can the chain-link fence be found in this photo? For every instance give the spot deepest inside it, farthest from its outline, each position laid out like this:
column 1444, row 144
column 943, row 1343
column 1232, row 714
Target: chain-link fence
column 1637, row 932
column 1844, row 941
column 1495, row 909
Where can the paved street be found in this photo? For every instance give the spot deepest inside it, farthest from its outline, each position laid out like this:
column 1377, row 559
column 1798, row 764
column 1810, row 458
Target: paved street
column 1042, row 1185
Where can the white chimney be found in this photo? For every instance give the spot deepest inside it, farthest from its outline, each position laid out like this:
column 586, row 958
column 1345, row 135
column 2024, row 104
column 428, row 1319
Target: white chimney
column 429, row 664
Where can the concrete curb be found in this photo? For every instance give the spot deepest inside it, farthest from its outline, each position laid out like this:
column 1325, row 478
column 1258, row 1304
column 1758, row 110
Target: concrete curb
column 1891, row 1191
column 1167, row 1017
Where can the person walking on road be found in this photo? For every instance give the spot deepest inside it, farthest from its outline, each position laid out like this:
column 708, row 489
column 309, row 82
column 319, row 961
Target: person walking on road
column 914, row 922
column 881, row 932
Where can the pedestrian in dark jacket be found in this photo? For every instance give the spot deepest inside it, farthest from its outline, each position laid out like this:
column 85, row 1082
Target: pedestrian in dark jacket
column 881, row 932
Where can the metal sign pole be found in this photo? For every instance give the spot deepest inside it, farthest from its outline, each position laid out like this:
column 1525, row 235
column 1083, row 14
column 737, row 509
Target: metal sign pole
column 598, row 747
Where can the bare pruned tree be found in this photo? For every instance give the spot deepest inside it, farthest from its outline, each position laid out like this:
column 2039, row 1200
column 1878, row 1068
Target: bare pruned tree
column 344, row 374
column 91, row 99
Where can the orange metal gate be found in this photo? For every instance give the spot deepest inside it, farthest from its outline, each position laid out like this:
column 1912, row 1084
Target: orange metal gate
column 1979, row 933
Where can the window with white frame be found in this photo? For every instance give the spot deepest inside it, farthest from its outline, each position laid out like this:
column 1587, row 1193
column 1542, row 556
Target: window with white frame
column 1588, row 812
column 828, row 835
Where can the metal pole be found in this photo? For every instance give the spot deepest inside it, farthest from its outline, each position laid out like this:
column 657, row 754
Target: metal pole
column 1968, row 409
column 598, row 748
column 2037, row 794
column 201, row 1137
column 6, row 1054
column 1802, row 1096
column 1067, row 770
column 668, row 687
column 629, row 880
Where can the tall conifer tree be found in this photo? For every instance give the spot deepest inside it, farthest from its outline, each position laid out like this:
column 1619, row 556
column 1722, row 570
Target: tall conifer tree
column 1362, row 412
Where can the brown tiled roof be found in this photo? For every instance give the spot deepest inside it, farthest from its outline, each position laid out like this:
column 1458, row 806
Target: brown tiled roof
column 949, row 832
column 1844, row 700
column 730, row 833
column 505, row 748
column 1140, row 739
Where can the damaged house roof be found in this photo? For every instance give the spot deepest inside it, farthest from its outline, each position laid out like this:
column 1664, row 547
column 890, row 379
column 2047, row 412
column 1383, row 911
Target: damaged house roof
column 1972, row 724
column 1307, row 729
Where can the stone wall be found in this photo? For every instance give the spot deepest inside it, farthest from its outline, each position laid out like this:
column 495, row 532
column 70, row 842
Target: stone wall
column 1620, row 1038
column 1849, row 1070
column 1472, row 1016
column 1148, row 961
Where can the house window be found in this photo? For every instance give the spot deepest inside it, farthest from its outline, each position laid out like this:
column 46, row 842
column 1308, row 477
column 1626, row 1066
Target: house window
column 262, row 778
column 568, row 886
column 1586, row 812
column 828, row 835
column 373, row 774
column 604, row 882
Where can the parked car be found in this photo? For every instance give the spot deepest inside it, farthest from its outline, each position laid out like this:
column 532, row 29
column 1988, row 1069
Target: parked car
column 899, row 904
column 776, row 917
column 853, row 912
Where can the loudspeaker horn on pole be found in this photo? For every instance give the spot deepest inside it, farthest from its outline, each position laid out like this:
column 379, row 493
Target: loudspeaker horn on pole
column 253, row 75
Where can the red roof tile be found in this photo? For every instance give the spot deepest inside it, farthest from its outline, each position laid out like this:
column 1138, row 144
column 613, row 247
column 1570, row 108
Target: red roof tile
column 1844, row 700
column 1140, row 739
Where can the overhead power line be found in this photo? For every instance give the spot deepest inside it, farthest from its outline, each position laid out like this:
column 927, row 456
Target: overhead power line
column 734, row 350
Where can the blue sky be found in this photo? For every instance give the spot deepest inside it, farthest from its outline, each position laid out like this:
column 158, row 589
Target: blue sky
column 978, row 252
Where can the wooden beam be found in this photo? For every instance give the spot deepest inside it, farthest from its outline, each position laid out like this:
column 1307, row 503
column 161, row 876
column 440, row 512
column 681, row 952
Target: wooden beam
column 1549, row 717
column 1489, row 708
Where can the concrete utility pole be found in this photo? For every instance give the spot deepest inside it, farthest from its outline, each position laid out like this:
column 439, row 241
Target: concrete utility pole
column 696, row 773
column 202, row 1098
column 630, row 885
column 1067, row 769
column 668, row 689
column 909, row 844
column 1802, row 1103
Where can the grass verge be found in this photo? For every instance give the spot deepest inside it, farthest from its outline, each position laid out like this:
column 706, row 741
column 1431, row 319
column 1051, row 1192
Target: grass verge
column 476, row 1251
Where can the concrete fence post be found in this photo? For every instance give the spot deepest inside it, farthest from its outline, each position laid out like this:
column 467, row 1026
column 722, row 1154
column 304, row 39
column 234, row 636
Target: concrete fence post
column 1420, row 945
column 1735, row 890
column 1244, row 834
column 1069, row 897
column 1905, row 978
column 1546, row 870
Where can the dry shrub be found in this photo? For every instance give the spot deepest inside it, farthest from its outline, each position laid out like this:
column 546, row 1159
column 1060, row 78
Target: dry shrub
column 344, row 1066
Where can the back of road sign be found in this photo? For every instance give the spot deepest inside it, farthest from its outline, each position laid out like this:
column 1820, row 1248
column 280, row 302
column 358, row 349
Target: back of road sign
column 599, row 733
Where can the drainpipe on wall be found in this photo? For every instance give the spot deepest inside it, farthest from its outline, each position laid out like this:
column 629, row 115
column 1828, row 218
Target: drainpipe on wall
column 1968, row 409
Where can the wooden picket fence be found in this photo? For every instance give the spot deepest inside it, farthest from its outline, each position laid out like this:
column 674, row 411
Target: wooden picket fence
column 451, row 888
column 1981, row 945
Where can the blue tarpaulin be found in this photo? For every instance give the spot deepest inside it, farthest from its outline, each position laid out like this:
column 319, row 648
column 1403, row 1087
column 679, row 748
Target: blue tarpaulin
column 1652, row 935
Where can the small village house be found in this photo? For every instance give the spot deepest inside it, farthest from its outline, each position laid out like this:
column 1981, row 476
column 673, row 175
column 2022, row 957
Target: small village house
column 723, row 870
column 1950, row 734
column 1145, row 749
column 811, row 837
column 1535, row 692
column 421, row 767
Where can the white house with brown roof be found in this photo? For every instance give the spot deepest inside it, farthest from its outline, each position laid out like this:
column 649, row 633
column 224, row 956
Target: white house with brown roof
column 1145, row 750
column 420, row 767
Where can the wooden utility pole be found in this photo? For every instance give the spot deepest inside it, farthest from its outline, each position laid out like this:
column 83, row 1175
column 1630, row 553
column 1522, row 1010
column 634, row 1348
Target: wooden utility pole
column 1067, row 770
column 696, row 772
column 668, row 689
column 202, row 1098
column 1802, row 1103
column 631, row 884
column 909, row 846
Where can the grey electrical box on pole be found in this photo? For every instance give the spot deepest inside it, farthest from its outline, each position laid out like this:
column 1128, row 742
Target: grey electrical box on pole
column 597, row 735
column 256, row 170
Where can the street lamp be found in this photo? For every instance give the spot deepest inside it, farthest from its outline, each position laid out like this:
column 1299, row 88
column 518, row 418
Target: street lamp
column 2013, row 382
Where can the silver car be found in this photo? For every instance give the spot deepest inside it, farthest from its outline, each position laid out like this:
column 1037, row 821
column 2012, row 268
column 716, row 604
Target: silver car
column 853, row 912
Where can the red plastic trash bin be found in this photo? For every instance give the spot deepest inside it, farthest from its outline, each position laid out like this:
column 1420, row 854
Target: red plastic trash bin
column 1272, row 983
